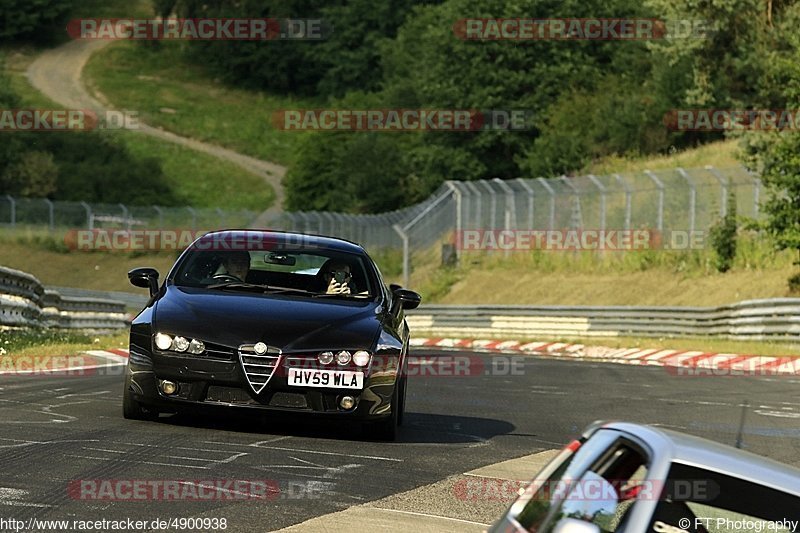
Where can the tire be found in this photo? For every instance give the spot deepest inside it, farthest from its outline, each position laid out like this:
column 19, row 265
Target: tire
column 386, row 429
column 401, row 404
column 132, row 409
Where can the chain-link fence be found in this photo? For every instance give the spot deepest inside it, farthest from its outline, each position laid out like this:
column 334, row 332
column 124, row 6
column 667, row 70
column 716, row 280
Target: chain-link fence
column 665, row 200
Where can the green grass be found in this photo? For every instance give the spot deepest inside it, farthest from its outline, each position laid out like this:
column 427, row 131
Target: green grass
column 199, row 180
column 185, row 97
column 26, row 342
column 621, row 278
column 717, row 154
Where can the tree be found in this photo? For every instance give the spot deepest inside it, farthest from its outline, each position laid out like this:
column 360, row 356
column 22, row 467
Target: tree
column 34, row 174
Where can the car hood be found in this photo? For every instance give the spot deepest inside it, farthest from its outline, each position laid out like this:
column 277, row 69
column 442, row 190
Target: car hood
column 288, row 322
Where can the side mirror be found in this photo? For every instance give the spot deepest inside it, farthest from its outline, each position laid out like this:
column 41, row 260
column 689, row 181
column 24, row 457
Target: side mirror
column 395, row 287
column 408, row 299
column 146, row 278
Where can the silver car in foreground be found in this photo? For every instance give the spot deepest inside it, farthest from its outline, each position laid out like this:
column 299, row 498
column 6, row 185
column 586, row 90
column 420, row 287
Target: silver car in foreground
column 635, row 478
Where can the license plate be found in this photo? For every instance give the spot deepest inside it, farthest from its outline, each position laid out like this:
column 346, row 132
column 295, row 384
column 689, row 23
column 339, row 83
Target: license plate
column 340, row 379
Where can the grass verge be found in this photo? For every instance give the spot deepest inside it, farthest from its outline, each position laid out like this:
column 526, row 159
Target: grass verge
column 184, row 97
column 32, row 342
column 198, row 179
column 718, row 154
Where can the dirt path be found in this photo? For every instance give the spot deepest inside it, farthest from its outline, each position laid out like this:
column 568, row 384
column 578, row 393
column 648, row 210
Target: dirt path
column 57, row 74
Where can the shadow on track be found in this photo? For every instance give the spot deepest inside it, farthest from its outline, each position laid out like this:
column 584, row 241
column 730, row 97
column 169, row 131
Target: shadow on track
column 420, row 428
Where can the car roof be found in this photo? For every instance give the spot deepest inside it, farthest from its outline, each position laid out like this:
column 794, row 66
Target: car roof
column 289, row 237
column 709, row 455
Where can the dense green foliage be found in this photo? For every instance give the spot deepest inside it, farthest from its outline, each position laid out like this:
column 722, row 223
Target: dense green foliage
column 80, row 166
column 34, row 20
column 723, row 237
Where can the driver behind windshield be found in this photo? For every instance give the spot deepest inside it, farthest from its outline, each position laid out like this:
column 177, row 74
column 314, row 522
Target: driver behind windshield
column 236, row 264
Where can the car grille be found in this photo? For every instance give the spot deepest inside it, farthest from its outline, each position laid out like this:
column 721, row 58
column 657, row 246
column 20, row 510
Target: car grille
column 228, row 395
column 258, row 369
column 217, row 351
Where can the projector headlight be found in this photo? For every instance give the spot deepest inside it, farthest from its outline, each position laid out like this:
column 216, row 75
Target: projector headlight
column 163, row 341
column 325, row 358
column 343, row 357
column 361, row 358
column 180, row 344
column 196, row 346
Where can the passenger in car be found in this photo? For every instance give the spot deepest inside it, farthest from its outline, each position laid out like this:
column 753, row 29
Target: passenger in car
column 338, row 278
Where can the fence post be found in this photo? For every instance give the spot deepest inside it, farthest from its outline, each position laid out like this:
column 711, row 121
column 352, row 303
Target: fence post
column 478, row 203
column 403, row 232
column 628, row 195
column 511, row 209
column 577, row 197
column 660, row 185
column 692, row 199
column 406, row 259
column 125, row 216
column 160, row 216
column 89, row 217
column 50, row 214
column 194, row 217
column 531, row 198
column 493, row 213
column 552, row 193
column 13, row 204
column 457, row 194
column 723, row 210
column 602, row 188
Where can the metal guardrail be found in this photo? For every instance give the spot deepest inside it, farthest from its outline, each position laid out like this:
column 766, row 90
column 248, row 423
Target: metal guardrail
column 770, row 319
column 25, row 302
column 131, row 300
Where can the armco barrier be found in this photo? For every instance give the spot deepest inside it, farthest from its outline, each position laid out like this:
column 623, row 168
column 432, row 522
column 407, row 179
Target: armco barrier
column 25, row 302
column 770, row 319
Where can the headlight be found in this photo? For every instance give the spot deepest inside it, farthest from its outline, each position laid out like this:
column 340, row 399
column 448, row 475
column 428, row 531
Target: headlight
column 361, row 358
column 196, row 346
column 163, row 342
column 180, row 344
column 343, row 357
column 325, row 358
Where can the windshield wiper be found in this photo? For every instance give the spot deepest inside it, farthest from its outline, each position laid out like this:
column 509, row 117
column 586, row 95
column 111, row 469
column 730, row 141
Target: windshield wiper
column 237, row 285
column 351, row 295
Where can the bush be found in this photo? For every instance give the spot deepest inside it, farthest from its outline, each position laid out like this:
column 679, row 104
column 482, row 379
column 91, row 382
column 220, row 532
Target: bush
column 723, row 237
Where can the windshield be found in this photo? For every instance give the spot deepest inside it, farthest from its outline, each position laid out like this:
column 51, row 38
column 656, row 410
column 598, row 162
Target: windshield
column 305, row 273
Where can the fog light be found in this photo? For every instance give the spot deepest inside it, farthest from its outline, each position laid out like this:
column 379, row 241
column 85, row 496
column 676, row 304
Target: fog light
column 343, row 357
column 347, row 402
column 168, row 387
column 163, row 341
column 325, row 358
column 361, row 358
column 179, row 344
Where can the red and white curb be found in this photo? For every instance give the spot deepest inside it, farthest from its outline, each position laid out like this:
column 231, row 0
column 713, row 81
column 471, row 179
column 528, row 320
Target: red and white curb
column 680, row 360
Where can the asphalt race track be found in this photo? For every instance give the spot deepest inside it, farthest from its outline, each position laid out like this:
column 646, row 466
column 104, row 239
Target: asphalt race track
column 56, row 431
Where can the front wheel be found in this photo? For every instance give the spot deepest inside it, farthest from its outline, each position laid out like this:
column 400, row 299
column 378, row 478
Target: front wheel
column 132, row 409
column 386, row 429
